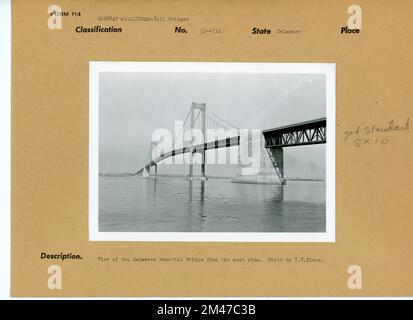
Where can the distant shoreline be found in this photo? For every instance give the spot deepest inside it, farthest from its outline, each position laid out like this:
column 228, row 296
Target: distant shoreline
column 129, row 174
column 304, row 179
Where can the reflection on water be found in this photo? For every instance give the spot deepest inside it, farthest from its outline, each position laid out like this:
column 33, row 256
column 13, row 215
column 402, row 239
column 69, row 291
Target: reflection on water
column 217, row 205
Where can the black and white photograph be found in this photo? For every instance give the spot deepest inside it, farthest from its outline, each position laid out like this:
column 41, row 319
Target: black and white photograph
column 211, row 151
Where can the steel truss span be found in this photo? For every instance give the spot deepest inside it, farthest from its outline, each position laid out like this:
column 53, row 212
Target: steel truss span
column 299, row 134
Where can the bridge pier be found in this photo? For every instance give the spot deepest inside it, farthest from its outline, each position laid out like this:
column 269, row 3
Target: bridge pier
column 277, row 159
column 146, row 172
column 265, row 167
column 147, row 169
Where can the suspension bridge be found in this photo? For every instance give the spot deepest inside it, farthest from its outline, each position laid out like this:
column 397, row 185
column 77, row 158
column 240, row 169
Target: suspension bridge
column 272, row 148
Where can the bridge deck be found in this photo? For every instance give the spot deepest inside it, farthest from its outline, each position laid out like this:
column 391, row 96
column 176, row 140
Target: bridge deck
column 222, row 143
column 304, row 133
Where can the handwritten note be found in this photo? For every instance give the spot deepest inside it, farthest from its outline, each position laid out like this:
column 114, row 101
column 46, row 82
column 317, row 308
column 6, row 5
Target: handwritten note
column 376, row 134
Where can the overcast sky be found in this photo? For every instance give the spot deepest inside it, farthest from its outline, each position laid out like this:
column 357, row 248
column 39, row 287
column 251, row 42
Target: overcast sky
column 132, row 105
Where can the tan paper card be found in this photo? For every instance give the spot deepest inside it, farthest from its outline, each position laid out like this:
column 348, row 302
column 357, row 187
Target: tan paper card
column 219, row 148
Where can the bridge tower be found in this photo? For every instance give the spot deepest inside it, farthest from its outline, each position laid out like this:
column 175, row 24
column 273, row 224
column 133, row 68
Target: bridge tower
column 201, row 108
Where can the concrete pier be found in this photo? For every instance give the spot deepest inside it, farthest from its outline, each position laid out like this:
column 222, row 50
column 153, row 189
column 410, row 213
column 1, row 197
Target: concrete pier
column 196, row 178
column 266, row 166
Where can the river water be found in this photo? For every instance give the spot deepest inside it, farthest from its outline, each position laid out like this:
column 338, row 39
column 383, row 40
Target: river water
column 174, row 204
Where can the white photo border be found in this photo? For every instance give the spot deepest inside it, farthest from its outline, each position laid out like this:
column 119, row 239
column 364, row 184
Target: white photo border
column 5, row 148
column 95, row 67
